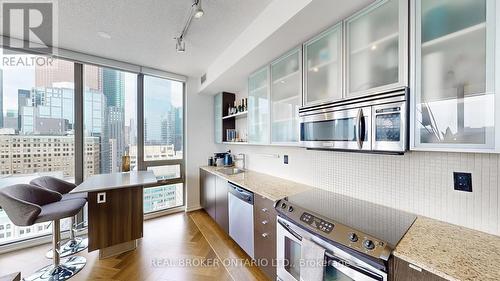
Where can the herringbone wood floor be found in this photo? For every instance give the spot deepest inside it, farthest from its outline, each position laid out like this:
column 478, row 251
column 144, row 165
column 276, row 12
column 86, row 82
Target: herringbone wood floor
column 178, row 237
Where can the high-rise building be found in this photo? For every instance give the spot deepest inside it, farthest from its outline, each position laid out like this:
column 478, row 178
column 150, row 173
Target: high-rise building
column 113, row 143
column 44, row 154
column 113, row 87
column 11, row 120
column 46, row 111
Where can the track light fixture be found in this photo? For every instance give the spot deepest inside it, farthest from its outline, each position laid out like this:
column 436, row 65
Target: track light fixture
column 195, row 12
column 198, row 11
column 180, row 46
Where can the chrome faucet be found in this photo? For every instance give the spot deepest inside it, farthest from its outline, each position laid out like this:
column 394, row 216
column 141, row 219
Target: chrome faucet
column 242, row 157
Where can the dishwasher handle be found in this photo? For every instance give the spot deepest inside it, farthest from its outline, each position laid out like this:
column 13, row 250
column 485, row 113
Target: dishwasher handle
column 241, row 193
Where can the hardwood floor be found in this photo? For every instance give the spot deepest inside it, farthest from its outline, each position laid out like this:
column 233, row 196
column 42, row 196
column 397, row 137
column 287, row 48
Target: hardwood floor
column 168, row 241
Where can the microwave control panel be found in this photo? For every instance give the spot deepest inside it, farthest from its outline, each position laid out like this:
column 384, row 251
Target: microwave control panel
column 320, row 224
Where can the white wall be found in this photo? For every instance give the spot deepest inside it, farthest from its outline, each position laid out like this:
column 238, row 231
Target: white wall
column 418, row 182
column 200, row 144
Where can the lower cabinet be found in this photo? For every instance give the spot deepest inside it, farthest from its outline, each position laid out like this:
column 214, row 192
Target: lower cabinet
column 221, row 206
column 401, row 270
column 207, row 192
column 265, row 235
column 213, row 198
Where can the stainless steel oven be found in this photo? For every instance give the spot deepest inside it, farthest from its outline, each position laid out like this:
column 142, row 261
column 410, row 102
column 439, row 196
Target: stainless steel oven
column 338, row 264
column 377, row 123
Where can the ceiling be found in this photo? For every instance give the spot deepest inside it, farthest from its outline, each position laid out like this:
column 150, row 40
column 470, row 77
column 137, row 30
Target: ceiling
column 142, row 31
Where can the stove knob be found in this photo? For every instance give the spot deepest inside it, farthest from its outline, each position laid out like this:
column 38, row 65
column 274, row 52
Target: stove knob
column 290, row 209
column 283, row 205
column 353, row 237
column 369, row 244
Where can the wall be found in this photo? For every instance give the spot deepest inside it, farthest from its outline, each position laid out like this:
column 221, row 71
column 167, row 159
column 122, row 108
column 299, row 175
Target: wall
column 418, row 182
column 200, row 143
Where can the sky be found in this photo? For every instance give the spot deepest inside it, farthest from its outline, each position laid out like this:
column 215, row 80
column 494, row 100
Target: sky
column 23, row 77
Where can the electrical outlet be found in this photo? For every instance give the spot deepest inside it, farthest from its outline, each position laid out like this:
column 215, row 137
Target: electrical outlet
column 462, row 181
column 285, row 159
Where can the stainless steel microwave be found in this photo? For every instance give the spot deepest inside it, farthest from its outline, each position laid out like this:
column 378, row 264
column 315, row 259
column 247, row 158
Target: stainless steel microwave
column 377, row 123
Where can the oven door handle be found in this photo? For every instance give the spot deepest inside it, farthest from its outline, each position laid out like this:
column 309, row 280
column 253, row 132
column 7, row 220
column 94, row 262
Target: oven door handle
column 360, row 128
column 349, row 266
column 290, row 230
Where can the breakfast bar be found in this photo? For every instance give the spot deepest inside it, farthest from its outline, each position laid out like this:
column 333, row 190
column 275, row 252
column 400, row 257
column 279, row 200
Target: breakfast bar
column 115, row 210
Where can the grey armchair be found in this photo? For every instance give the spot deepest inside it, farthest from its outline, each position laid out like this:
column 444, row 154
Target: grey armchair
column 26, row 205
column 22, row 202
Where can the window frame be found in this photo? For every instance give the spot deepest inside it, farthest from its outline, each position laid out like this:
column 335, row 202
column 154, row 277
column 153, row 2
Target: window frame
column 79, row 61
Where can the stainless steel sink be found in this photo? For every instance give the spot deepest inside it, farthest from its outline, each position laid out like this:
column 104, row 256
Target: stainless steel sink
column 231, row 171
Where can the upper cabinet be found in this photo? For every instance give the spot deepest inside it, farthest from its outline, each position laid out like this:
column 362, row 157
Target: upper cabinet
column 323, row 67
column 258, row 107
column 286, row 95
column 454, row 82
column 377, row 48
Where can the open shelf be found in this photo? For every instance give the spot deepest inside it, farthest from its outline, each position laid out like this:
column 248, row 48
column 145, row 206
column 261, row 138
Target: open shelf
column 369, row 47
column 237, row 115
column 451, row 37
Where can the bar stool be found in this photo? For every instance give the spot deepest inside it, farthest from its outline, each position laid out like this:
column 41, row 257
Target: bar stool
column 26, row 205
column 74, row 244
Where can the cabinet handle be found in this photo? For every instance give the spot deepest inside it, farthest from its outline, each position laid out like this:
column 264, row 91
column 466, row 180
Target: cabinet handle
column 264, row 222
column 264, row 210
column 412, row 266
column 265, row 235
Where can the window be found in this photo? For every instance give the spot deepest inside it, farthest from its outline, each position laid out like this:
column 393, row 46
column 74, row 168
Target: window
column 37, row 130
column 110, row 113
column 36, row 111
column 164, row 142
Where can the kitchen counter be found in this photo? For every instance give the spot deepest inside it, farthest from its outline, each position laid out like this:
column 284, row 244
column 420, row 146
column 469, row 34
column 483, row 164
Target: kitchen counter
column 451, row 252
column 273, row 188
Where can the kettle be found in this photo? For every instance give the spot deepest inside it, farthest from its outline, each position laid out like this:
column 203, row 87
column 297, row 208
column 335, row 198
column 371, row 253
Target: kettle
column 228, row 159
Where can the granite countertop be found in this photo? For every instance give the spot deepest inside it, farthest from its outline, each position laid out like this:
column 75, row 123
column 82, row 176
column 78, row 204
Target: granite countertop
column 271, row 187
column 450, row 251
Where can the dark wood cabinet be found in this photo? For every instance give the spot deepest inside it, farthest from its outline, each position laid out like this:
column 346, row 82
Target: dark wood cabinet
column 213, row 198
column 401, row 270
column 208, row 192
column 221, row 206
column 117, row 220
column 265, row 234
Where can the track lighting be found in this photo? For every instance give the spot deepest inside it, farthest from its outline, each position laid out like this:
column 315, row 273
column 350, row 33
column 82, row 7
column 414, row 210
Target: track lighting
column 180, row 46
column 198, row 11
column 195, row 12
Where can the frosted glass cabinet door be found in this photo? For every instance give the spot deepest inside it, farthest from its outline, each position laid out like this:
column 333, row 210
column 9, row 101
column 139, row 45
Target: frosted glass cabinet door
column 258, row 107
column 377, row 48
column 323, row 67
column 218, row 118
column 455, row 106
column 286, row 98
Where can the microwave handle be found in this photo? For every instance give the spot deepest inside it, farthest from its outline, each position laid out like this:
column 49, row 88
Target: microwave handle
column 360, row 128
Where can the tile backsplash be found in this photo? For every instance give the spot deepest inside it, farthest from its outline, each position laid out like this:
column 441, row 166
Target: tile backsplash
column 418, row 182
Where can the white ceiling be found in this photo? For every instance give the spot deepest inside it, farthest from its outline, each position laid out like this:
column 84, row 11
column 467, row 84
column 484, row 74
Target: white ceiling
column 142, row 31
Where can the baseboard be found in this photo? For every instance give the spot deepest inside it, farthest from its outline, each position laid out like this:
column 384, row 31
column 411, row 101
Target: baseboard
column 194, row 208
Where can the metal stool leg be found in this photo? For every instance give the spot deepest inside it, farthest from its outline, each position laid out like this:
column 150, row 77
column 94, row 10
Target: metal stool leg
column 60, row 269
column 72, row 246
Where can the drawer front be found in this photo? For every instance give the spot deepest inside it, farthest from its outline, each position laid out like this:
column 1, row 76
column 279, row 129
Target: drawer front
column 401, row 270
column 265, row 235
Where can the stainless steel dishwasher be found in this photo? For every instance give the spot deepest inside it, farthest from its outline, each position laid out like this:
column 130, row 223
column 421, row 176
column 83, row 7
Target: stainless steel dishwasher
column 240, row 203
